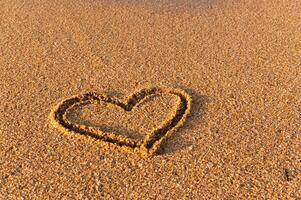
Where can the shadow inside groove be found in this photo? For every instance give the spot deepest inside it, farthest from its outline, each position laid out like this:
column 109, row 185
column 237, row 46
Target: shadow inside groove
column 177, row 141
column 119, row 130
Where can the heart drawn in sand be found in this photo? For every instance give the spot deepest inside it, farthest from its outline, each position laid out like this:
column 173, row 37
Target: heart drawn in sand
column 153, row 139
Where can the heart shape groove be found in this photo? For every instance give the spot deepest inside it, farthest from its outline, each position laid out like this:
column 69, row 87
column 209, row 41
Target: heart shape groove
column 146, row 147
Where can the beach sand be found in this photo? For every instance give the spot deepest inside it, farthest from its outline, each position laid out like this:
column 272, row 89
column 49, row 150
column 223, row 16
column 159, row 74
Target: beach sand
column 240, row 61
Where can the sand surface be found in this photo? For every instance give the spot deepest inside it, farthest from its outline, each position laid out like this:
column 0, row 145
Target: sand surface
column 239, row 60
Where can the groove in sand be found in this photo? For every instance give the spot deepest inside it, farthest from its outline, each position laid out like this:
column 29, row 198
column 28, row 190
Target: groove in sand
column 152, row 140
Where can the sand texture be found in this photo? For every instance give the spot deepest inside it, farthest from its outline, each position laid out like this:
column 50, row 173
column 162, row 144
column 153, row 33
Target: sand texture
column 158, row 99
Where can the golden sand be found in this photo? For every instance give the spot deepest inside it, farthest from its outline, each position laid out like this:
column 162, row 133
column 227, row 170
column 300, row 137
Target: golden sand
column 239, row 62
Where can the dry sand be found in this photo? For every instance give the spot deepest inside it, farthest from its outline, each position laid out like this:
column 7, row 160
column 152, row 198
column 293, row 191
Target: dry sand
column 239, row 60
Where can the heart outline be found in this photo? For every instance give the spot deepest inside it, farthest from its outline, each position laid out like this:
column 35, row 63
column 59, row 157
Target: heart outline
column 153, row 139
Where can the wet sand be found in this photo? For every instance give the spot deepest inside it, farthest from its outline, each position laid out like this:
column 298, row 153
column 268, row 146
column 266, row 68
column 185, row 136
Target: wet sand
column 240, row 61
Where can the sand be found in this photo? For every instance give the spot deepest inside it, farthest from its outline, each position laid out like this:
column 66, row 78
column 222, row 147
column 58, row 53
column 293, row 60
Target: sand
column 240, row 61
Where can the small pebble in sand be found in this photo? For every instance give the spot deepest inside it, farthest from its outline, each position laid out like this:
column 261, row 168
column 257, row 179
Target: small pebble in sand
column 190, row 148
column 209, row 165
